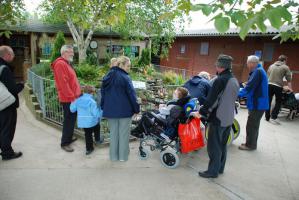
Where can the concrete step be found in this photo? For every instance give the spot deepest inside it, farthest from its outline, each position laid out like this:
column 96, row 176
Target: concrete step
column 33, row 98
column 29, row 89
column 36, row 106
column 38, row 114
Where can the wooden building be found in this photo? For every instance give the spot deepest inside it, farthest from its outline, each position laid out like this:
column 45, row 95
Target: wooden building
column 33, row 41
column 198, row 50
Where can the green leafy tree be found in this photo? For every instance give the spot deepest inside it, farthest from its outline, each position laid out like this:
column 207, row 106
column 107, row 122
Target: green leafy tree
column 154, row 19
column 131, row 18
column 59, row 42
column 84, row 17
column 11, row 12
column 248, row 15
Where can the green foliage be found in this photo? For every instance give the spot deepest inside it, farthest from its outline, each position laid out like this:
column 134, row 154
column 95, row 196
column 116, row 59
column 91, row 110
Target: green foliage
column 171, row 78
column 222, row 23
column 84, row 16
column 51, row 102
column 103, row 70
column 91, row 58
column 43, row 69
column 251, row 16
column 154, row 18
column 145, row 58
column 59, row 42
column 11, row 12
column 87, row 74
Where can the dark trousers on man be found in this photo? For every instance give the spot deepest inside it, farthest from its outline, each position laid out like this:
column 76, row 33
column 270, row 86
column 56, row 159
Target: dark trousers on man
column 217, row 149
column 277, row 91
column 88, row 136
column 8, row 121
column 69, row 120
column 252, row 128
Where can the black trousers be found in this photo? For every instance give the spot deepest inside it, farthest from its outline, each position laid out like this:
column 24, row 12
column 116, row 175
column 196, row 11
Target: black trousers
column 217, row 148
column 88, row 136
column 277, row 91
column 252, row 128
column 69, row 120
column 8, row 121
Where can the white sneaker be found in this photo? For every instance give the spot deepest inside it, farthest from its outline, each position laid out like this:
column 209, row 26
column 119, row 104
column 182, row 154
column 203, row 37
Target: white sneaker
column 275, row 121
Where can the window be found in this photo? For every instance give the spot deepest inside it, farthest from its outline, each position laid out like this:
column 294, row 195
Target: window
column 183, row 49
column 204, row 48
column 46, row 49
column 268, row 52
column 118, row 50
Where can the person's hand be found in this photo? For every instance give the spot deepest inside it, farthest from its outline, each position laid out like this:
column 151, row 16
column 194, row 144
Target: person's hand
column 195, row 114
column 135, row 117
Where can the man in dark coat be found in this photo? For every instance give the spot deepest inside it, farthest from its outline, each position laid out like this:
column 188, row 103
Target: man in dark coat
column 219, row 109
column 8, row 116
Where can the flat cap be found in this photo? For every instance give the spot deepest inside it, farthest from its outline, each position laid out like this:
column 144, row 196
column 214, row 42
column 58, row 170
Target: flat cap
column 224, row 61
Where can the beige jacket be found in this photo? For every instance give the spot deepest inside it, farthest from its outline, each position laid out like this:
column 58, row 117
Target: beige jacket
column 277, row 72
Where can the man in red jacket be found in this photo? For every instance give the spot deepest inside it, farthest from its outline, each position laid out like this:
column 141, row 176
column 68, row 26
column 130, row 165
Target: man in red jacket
column 68, row 90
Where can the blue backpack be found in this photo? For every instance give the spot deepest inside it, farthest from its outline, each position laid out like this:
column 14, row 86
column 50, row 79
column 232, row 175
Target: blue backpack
column 191, row 106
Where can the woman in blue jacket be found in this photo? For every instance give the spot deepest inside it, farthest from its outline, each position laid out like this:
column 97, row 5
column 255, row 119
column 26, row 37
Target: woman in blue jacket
column 119, row 104
column 89, row 115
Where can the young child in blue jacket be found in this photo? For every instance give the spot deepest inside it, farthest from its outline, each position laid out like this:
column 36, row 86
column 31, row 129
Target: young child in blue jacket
column 89, row 115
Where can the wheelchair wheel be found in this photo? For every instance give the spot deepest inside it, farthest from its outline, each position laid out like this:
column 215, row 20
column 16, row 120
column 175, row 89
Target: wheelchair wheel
column 169, row 158
column 143, row 153
column 236, row 129
column 230, row 138
column 292, row 114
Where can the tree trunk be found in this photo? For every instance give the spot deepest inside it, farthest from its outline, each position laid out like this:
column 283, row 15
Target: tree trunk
column 81, row 42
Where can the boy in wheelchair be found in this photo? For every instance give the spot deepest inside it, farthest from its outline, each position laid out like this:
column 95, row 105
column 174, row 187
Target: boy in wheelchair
column 164, row 123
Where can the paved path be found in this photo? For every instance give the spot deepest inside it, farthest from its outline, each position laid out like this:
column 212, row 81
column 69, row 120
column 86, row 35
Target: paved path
column 45, row 172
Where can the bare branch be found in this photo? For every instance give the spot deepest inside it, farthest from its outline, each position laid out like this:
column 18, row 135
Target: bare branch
column 88, row 38
column 72, row 27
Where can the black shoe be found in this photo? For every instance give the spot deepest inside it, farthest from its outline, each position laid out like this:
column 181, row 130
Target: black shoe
column 137, row 134
column 89, row 152
column 12, row 156
column 74, row 139
column 67, row 148
column 206, row 175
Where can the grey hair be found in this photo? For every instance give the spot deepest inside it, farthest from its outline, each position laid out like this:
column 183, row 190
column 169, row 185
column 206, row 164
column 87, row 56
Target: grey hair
column 253, row 59
column 65, row 47
column 205, row 75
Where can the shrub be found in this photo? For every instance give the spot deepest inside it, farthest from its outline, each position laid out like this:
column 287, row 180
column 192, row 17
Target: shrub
column 145, row 58
column 87, row 74
column 91, row 59
column 59, row 42
column 43, row 69
column 171, row 78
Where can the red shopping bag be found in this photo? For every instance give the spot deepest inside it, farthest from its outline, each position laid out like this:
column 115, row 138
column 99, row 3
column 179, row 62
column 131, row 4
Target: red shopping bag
column 191, row 136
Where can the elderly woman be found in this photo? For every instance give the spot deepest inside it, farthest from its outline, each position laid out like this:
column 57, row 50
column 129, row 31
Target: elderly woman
column 199, row 86
column 119, row 104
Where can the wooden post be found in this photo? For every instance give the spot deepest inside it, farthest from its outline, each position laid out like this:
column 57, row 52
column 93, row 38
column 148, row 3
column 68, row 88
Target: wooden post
column 33, row 39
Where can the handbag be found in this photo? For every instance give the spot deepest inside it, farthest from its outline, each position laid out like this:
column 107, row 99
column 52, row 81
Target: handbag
column 6, row 98
column 191, row 136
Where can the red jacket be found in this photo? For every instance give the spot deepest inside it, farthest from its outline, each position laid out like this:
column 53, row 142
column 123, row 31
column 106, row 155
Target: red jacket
column 67, row 85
